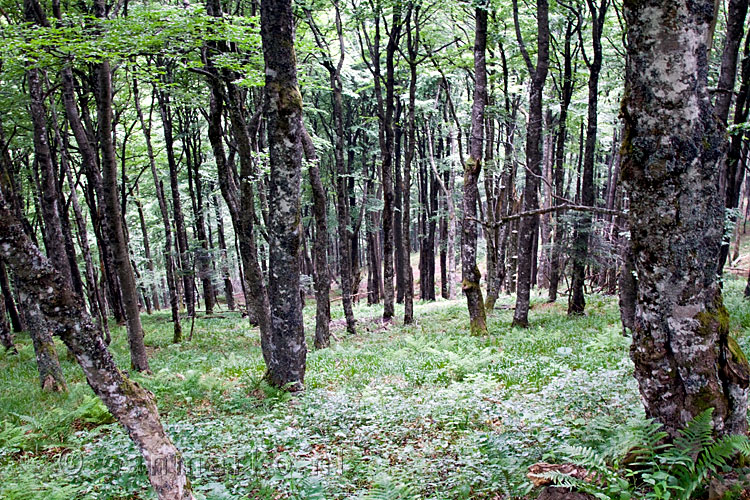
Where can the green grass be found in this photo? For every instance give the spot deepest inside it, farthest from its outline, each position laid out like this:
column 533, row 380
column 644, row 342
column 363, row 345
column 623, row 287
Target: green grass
column 425, row 411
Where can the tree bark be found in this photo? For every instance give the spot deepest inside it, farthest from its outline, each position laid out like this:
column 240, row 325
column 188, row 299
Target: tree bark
column 528, row 226
column 685, row 360
column 286, row 352
column 469, row 271
column 128, row 402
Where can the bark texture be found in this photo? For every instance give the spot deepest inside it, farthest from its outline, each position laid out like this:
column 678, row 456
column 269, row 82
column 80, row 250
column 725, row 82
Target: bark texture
column 128, row 402
column 685, row 360
column 285, row 350
column 470, row 275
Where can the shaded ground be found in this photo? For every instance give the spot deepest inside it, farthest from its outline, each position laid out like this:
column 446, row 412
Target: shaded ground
column 425, row 411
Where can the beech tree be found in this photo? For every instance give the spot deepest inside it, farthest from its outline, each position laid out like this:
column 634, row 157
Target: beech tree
column 685, row 358
column 469, row 270
column 285, row 350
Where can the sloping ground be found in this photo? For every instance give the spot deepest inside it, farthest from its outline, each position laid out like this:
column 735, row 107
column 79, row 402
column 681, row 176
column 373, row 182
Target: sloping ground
column 425, row 411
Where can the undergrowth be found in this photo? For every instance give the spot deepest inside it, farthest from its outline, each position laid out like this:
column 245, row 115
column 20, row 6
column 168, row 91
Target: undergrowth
column 424, row 411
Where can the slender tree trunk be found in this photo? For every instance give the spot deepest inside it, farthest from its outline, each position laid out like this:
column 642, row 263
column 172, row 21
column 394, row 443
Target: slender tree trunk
column 469, row 270
column 577, row 302
column 320, row 245
column 6, row 338
column 732, row 175
column 528, row 226
column 146, row 249
column 129, row 291
column 10, row 305
column 285, row 354
column 168, row 252
column 685, row 359
column 179, row 218
column 228, row 286
column 387, row 167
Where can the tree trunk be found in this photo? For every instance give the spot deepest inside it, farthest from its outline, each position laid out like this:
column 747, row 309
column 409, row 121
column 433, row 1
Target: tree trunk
column 179, row 218
column 168, row 241
column 129, row 292
column 128, row 402
column 10, row 305
column 528, row 226
column 685, row 360
column 577, row 302
column 286, row 353
column 320, row 246
column 228, row 286
column 469, row 271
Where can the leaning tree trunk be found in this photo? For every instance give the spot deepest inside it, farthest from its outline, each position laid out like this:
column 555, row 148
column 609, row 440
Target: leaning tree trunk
column 285, row 351
column 685, row 360
column 129, row 403
column 469, row 270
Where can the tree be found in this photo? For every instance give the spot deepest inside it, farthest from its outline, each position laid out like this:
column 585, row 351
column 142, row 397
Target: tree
column 469, row 271
column 285, row 352
column 577, row 301
column 128, row 402
column 529, row 225
column 685, row 359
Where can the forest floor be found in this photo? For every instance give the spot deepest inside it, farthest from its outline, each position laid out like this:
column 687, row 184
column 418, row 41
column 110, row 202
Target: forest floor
column 424, row 411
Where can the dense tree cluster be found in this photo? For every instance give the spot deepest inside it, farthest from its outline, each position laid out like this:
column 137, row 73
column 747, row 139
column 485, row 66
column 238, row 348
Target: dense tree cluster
column 161, row 155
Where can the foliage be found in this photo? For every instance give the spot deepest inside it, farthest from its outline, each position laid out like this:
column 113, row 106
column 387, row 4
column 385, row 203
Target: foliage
column 653, row 468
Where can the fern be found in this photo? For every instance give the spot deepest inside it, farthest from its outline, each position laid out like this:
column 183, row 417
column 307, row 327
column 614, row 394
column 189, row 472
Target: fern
column 385, row 489
column 665, row 470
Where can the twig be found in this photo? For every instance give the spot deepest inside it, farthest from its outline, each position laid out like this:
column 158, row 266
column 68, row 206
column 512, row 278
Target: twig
column 541, row 211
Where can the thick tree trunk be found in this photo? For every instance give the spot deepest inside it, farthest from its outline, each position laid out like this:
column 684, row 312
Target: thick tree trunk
column 528, row 226
column 469, row 271
column 286, row 352
column 129, row 403
column 685, row 360
column 128, row 289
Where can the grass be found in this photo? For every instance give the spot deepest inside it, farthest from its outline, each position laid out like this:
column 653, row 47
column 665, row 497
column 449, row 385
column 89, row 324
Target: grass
column 423, row 411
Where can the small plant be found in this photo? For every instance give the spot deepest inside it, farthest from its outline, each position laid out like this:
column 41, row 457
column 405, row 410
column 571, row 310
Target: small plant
column 653, row 469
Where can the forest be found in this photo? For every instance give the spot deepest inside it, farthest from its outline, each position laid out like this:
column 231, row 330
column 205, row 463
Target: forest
column 374, row 249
